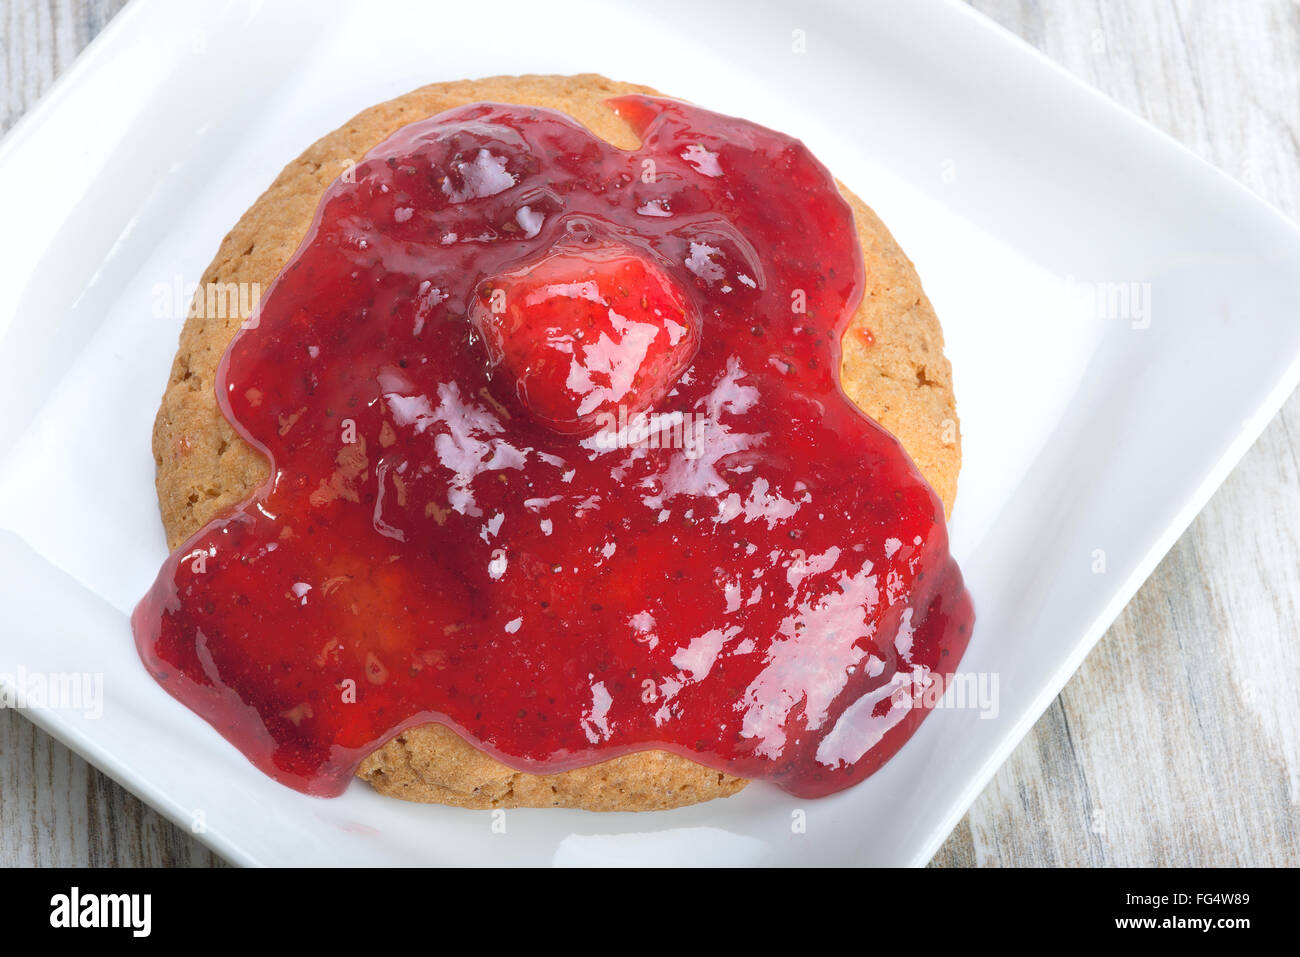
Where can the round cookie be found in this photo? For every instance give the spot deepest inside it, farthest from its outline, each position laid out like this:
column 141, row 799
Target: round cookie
column 893, row 367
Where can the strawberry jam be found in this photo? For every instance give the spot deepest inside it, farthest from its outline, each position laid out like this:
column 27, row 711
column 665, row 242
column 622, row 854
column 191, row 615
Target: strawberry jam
column 560, row 459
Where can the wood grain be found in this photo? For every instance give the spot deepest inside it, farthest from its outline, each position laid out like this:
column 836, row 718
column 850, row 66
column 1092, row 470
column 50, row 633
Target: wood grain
column 1178, row 742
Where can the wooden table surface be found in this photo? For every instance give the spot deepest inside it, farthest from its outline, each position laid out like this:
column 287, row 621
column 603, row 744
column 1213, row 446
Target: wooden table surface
column 1178, row 741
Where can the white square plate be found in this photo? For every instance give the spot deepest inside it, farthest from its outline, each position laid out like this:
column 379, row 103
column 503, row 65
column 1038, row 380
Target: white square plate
column 1095, row 427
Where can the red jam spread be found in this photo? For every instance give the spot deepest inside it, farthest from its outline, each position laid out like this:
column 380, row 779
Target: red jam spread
column 560, row 459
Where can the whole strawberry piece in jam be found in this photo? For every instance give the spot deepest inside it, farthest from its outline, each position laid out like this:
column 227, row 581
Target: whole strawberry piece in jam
column 590, row 328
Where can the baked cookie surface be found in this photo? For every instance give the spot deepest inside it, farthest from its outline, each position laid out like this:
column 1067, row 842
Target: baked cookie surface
column 893, row 367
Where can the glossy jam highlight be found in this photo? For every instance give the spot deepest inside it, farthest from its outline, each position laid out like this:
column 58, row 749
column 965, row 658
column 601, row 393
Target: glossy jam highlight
column 720, row 557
